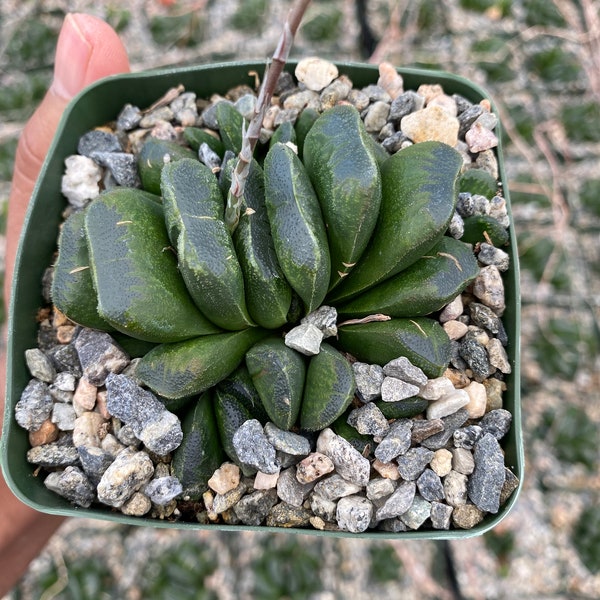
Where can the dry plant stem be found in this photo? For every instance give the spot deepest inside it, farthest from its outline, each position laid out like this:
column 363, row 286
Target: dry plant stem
column 251, row 135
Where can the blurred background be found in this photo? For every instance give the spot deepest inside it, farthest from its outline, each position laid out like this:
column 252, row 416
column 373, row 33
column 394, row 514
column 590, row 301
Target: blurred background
column 540, row 60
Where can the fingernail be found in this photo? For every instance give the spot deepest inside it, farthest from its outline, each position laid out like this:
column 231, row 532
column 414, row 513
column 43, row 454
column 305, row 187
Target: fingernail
column 73, row 53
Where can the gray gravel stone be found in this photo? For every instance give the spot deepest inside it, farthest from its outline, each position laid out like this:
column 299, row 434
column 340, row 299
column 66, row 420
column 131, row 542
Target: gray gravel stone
column 396, row 442
column 497, row 422
column 430, row 486
column 184, row 109
column 466, row 437
column 349, row 462
column 413, row 462
column 324, row 319
column 129, row 117
column 487, row 479
column 392, row 525
column 403, row 369
column 305, row 338
column 451, row 424
column 498, row 357
column 380, row 487
column 65, row 382
column 394, row 390
column 440, row 515
column 34, row 406
column 128, row 473
column 97, row 140
column 94, row 462
column 287, row 441
column 63, row 416
column 335, row 487
column 476, row 357
column 162, row 490
column 290, row 490
column 73, row 485
column 490, row 255
column 253, row 508
column 226, row 501
column 122, row 166
column 254, row 449
column 369, row 420
column 99, row 355
column 417, row 514
column 66, row 359
column 466, row 516
column 489, row 288
column 462, row 460
column 56, row 454
column 404, row 104
column 354, row 513
column 424, row 428
column 159, row 429
column 399, row 502
column 39, row 365
column 368, row 380
column 483, row 316
column 324, row 508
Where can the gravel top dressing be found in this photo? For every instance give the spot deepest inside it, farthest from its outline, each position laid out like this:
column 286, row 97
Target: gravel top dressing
column 345, row 391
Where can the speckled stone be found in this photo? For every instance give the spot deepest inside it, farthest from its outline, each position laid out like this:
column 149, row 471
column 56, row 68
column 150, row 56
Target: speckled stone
column 413, row 462
column 394, row 390
column 89, row 429
column 39, row 365
column 417, row 514
column 127, row 474
column 162, row 490
column 396, row 442
column 287, row 441
column 368, row 380
column 497, row 356
column 441, row 463
column 313, row 467
column 399, row 502
column 99, row 355
column 94, row 461
column 440, row 515
column 380, row 487
column 455, row 488
column 376, row 116
column 159, row 429
column 324, row 319
column 490, row 255
column 253, row 508
column 224, row 502
column 335, row 487
column 129, row 117
column 354, row 513
column 122, row 166
column 475, row 355
column 137, row 506
column 430, row 486
column 403, row 369
column 369, row 420
column 497, row 422
column 290, row 490
column 64, row 416
column 73, row 485
column 451, row 424
column 489, row 288
column 322, row 507
column 286, row 515
column 466, row 437
column 53, row 455
column 349, row 462
column 34, row 405
column 254, row 449
column 97, row 140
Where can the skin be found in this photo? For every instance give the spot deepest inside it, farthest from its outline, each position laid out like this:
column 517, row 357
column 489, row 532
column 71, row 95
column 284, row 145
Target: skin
column 87, row 50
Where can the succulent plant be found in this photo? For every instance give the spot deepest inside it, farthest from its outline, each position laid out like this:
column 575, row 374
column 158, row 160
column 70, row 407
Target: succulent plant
column 340, row 225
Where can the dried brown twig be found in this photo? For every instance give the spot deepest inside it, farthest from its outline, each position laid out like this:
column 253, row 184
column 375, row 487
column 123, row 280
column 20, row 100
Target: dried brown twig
column 251, row 135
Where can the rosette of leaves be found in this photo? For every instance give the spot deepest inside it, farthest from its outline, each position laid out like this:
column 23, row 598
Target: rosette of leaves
column 342, row 225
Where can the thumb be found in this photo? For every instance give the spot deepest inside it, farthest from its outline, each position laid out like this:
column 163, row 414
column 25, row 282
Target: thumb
column 87, row 49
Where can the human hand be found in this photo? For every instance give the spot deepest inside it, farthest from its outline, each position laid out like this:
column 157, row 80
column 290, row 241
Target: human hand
column 87, row 49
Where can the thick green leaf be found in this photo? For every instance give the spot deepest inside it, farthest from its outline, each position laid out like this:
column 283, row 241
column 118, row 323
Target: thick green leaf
column 278, row 373
column 423, row 341
column 418, row 200
column 268, row 294
column 73, row 291
column 426, row 286
column 187, row 368
column 231, row 126
column 339, row 160
column 151, row 161
column 297, row 225
column 140, row 290
column 328, row 391
column 193, row 208
column 200, row 453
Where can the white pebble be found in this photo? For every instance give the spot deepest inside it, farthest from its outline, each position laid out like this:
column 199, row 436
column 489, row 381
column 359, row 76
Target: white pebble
column 315, row 73
column 448, row 404
column 80, row 182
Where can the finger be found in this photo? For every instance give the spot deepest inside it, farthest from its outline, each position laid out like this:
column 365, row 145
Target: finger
column 87, row 49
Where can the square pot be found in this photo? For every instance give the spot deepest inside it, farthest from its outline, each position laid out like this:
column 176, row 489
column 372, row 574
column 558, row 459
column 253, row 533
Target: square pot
column 100, row 103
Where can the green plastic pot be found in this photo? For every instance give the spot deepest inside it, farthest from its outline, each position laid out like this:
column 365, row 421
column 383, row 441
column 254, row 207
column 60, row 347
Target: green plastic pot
column 100, row 103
